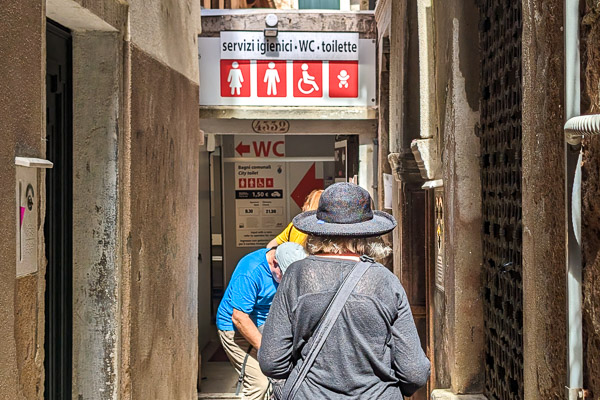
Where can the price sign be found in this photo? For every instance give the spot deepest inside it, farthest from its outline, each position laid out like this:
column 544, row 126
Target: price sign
column 260, row 204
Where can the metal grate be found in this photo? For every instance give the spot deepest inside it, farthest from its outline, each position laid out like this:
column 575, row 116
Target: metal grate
column 500, row 134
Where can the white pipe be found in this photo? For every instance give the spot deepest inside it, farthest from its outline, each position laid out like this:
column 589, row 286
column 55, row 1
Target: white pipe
column 577, row 127
column 573, row 186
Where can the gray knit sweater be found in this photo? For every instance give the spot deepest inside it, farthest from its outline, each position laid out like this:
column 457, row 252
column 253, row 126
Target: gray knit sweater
column 373, row 350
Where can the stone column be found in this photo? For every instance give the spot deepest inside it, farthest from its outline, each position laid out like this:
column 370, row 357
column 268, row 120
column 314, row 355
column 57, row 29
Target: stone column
column 543, row 199
column 459, row 311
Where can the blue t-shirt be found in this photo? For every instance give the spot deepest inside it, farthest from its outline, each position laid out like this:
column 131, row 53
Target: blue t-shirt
column 250, row 290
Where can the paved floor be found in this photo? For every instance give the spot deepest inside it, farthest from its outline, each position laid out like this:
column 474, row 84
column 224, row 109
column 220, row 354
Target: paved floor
column 219, row 379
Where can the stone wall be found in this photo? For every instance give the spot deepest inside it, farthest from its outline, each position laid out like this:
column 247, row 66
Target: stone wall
column 590, row 72
column 544, row 280
column 163, row 238
column 23, row 127
column 135, row 150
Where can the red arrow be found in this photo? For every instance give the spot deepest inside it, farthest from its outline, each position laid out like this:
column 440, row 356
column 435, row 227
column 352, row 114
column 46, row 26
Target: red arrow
column 306, row 185
column 242, row 149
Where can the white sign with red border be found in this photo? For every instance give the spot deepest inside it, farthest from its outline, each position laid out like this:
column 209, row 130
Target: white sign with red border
column 284, row 81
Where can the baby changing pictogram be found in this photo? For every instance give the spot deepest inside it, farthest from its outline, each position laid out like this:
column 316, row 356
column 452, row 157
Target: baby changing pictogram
column 343, row 79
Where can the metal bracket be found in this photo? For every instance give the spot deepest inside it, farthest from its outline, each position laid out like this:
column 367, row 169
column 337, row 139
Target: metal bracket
column 577, row 393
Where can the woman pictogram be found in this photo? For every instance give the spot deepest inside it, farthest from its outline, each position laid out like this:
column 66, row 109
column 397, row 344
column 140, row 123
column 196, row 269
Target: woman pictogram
column 235, row 78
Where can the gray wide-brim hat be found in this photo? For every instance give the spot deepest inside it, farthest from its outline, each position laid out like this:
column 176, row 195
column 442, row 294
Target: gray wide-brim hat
column 345, row 210
column 288, row 253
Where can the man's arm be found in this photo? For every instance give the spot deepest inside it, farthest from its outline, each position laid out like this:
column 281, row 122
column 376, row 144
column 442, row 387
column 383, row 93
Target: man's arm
column 247, row 328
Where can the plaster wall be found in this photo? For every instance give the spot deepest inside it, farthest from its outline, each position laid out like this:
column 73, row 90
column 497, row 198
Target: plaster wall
column 22, row 115
column 97, row 77
column 590, row 71
column 163, row 234
column 88, row 15
column 168, row 30
column 544, row 283
column 457, row 81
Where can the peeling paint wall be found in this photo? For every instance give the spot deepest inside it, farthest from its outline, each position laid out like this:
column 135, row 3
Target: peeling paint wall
column 22, row 115
column 459, row 362
column 590, row 72
column 544, row 297
column 97, row 76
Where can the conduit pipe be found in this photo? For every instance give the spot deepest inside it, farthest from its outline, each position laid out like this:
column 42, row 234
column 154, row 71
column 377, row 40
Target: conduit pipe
column 575, row 127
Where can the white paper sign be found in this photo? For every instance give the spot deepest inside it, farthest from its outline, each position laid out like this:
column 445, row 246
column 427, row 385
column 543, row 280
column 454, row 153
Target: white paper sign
column 259, row 202
column 240, row 45
column 388, row 182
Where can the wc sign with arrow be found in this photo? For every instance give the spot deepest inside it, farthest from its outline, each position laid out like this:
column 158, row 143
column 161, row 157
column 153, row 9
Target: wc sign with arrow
column 259, row 146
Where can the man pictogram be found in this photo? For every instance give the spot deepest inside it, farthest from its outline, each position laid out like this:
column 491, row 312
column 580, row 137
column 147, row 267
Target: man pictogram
column 271, row 79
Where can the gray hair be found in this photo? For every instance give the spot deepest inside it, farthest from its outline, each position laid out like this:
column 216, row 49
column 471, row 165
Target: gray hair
column 373, row 247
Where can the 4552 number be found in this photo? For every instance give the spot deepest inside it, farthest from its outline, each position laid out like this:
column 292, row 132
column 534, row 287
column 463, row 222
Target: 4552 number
column 270, row 126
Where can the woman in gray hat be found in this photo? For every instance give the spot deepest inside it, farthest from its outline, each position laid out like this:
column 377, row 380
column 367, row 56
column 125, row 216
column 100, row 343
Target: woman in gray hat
column 361, row 346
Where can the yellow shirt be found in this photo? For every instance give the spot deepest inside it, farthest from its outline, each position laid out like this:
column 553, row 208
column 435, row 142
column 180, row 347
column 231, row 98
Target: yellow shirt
column 291, row 234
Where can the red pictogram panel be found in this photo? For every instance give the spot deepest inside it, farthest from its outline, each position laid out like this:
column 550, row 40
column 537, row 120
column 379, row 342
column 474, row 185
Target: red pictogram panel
column 242, row 183
column 235, row 78
column 308, row 79
column 271, row 78
column 260, row 182
column 251, row 182
column 343, row 79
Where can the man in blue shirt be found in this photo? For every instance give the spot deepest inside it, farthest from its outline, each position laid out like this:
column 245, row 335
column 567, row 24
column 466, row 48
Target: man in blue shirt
column 244, row 309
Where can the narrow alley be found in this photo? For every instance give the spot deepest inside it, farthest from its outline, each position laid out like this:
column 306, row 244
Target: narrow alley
column 163, row 159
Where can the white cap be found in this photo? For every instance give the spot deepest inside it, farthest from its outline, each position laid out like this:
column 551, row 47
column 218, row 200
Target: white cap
column 288, row 253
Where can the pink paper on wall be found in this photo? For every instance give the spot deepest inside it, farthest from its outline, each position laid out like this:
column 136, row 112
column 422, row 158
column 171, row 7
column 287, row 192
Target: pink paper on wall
column 22, row 215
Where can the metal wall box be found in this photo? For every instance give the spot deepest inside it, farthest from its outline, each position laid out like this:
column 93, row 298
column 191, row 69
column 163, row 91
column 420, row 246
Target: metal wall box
column 27, row 198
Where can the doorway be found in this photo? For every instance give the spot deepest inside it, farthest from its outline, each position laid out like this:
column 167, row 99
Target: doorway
column 292, row 165
column 59, row 210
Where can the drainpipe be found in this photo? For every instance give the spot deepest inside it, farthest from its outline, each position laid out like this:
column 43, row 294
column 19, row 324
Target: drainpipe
column 575, row 127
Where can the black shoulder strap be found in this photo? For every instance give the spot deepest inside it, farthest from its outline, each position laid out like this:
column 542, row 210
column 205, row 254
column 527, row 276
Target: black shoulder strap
column 327, row 321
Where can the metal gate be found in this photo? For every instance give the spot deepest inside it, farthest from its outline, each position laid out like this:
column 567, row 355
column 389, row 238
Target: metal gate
column 501, row 146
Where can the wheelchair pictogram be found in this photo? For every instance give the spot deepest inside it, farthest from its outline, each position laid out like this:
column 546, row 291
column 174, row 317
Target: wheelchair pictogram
column 307, row 80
